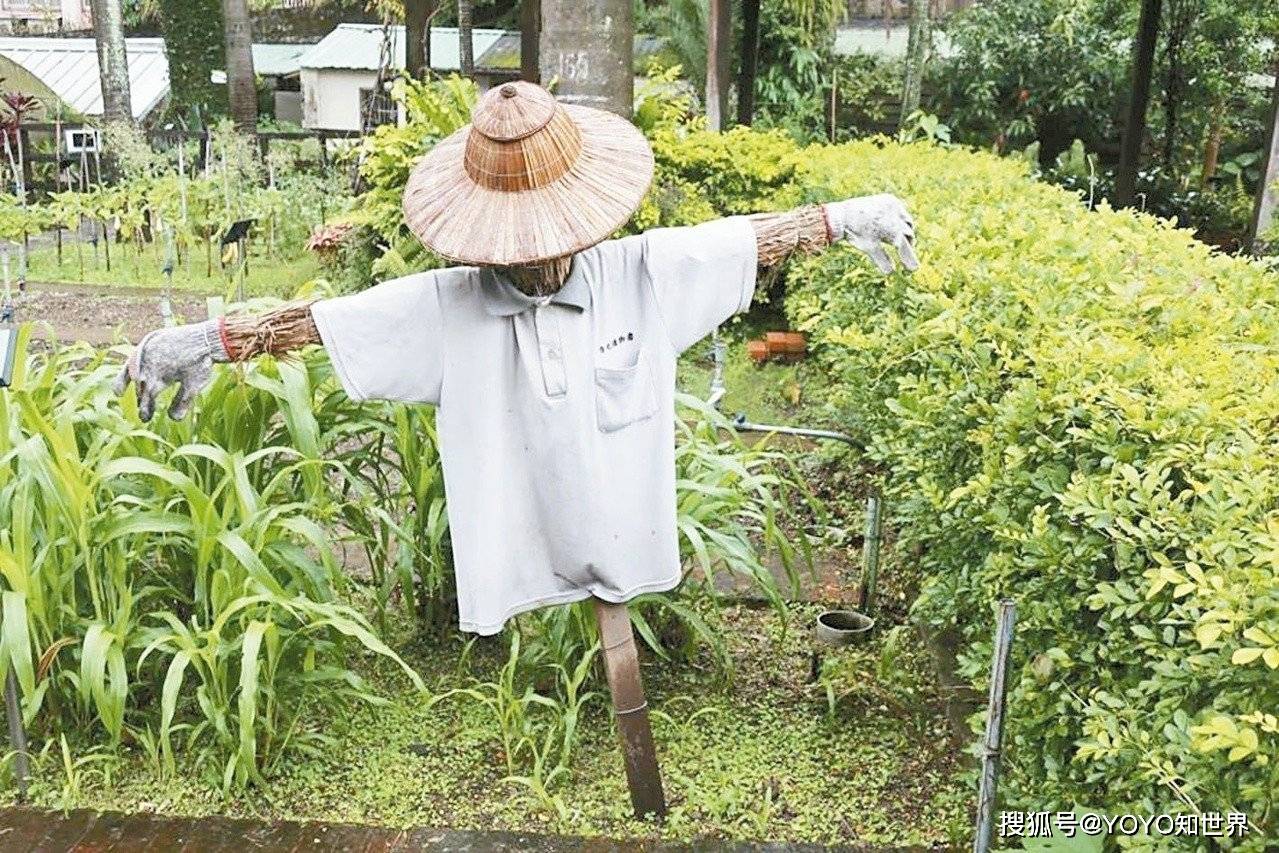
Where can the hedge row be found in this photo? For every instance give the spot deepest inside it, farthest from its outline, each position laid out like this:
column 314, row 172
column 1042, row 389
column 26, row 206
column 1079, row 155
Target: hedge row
column 1077, row 410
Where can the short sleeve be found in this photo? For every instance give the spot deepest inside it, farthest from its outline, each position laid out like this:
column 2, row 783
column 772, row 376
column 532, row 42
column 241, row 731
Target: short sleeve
column 385, row 342
column 701, row 275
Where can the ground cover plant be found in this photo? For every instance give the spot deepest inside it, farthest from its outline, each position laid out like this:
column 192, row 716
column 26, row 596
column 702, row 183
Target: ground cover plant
column 757, row 757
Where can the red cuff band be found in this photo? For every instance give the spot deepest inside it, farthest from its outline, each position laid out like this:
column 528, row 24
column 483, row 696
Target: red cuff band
column 830, row 237
column 226, row 341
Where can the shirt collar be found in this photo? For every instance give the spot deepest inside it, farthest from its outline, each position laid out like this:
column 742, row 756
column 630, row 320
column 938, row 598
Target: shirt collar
column 503, row 299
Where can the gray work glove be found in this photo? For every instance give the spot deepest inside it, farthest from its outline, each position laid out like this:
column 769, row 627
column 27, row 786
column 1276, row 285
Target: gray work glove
column 181, row 354
column 870, row 223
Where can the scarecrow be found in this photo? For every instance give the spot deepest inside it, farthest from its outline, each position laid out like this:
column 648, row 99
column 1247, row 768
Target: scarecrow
column 550, row 352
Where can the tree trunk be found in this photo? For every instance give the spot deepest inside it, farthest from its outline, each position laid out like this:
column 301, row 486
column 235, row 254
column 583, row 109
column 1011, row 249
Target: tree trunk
column 242, row 93
column 1135, row 131
column 916, row 57
column 750, row 63
column 1212, row 145
column 719, row 52
column 417, row 17
column 466, row 47
column 113, row 63
column 1263, row 217
column 530, row 33
column 588, row 45
column 1179, row 18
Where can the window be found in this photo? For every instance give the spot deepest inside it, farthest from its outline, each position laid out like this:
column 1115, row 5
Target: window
column 376, row 108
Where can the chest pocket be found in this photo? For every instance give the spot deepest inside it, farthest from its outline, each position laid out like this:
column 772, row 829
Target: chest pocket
column 624, row 395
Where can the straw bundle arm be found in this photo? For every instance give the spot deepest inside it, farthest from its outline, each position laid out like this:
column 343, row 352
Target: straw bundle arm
column 283, row 330
column 290, row 327
column 777, row 235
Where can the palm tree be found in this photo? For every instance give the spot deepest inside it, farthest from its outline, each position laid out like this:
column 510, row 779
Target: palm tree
column 530, row 33
column 113, row 63
column 916, row 58
column 466, row 52
column 242, row 93
column 1263, row 215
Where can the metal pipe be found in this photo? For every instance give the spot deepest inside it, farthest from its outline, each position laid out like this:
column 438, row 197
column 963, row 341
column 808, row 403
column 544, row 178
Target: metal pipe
column 742, row 425
column 870, row 553
column 17, row 734
column 994, row 725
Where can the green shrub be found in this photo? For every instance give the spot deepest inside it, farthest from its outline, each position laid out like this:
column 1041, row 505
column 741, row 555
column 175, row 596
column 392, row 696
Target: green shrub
column 1076, row 409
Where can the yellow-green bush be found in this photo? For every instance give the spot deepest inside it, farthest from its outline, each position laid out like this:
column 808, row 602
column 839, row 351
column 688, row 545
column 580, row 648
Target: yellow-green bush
column 1077, row 410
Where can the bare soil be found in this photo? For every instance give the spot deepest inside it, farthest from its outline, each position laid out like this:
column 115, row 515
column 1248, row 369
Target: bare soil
column 101, row 315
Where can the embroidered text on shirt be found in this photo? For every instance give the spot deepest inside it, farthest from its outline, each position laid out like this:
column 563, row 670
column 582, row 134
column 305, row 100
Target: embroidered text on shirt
column 620, row 339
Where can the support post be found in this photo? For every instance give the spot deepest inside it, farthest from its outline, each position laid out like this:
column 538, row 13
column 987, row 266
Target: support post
column 870, row 552
column 994, row 725
column 17, row 734
column 621, row 663
column 586, row 49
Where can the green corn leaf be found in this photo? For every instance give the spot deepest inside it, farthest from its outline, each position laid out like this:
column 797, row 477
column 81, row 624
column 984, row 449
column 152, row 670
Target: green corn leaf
column 15, row 641
column 247, row 704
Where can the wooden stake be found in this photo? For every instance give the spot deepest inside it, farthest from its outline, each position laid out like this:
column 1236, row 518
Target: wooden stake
column 621, row 663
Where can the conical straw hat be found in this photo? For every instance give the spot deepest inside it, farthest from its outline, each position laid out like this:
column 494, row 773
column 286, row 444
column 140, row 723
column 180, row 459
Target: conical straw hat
column 527, row 180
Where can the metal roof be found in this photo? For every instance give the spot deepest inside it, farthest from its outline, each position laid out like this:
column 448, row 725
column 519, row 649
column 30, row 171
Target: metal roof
column 69, row 67
column 359, row 46
column 278, row 60
column 884, row 42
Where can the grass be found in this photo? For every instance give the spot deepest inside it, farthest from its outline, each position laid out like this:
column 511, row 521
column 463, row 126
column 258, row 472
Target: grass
column 772, row 393
column 758, row 758
column 277, row 276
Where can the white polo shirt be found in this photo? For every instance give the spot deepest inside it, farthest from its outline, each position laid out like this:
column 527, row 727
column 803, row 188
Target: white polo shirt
column 556, row 420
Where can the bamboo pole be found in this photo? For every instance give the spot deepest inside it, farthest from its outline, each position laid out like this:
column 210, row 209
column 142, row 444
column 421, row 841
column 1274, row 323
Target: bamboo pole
column 621, row 663
column 994, row 725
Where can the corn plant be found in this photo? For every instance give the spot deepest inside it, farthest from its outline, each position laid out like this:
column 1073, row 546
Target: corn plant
column 538, row 730
column 180, row 561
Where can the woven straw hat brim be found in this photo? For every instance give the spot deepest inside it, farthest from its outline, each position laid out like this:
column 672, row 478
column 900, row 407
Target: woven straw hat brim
column 465, row 222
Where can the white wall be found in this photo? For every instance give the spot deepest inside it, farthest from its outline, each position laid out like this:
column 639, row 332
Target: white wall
column 331, row 97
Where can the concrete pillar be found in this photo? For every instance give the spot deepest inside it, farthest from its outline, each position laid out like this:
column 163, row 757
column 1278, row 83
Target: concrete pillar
column 586, row 53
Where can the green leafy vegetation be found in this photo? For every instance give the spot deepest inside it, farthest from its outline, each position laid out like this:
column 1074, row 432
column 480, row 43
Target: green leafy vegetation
column 1074, row 409
column 1070, row 407
column 157, row 216
column 266, row 275
column 174, row 586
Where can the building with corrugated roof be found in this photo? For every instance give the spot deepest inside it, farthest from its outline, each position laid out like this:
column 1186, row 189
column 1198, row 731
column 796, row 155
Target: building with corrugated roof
column 339, row 73
column 44, row 17
column 62, row 73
